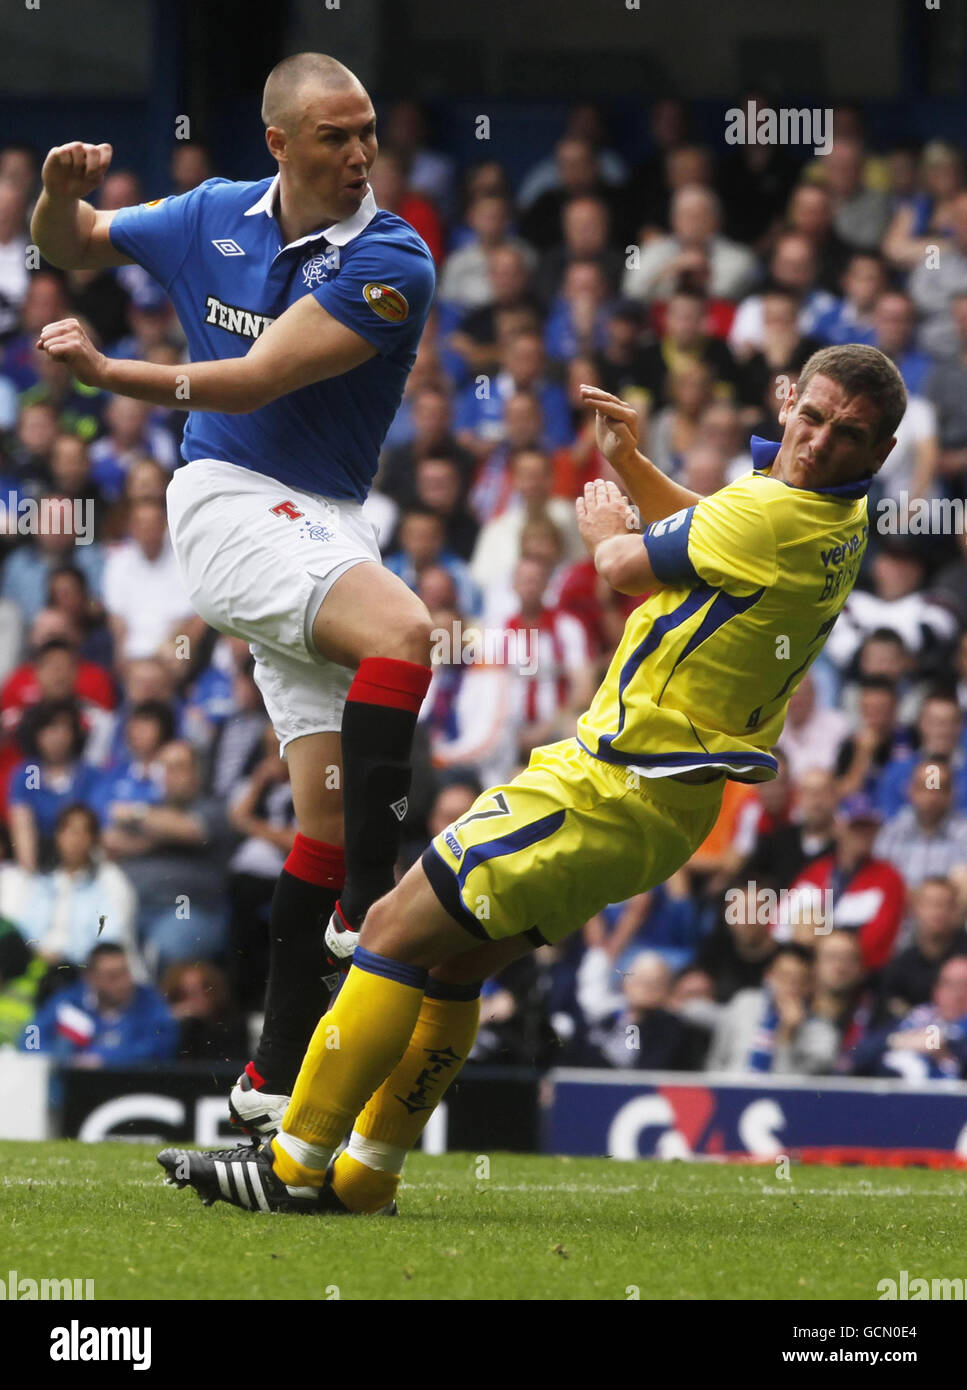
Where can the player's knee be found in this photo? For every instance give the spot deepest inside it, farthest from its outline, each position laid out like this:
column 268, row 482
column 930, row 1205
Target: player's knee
column 377, row 926
column 321, row 818
column 411, row 640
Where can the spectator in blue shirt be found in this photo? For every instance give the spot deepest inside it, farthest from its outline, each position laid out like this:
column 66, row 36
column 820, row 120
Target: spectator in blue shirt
column 26, row 574
column 665, row 920
column 479, row 420
column 46, row 301
column 930, row 1044
column 131, row 436
column 52, row 777
column 147, row 678
column 420, row 539
column 577, row 321
column 941, row 732
column 138, row 776
column 894, row 332
column 850, row 320
column 104, row 1019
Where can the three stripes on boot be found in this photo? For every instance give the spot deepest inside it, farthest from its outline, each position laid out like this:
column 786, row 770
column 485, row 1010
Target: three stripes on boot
column 241, row 1182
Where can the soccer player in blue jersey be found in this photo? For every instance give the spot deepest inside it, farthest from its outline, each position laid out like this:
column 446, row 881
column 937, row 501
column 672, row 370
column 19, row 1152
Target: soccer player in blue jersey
column 743, row 588
column 303, row 304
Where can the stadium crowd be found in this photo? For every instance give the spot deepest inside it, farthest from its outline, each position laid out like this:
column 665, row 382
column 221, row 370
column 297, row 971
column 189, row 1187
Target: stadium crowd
column 821, row 927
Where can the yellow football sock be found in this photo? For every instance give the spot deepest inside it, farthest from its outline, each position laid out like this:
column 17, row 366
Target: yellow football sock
column 360, row 1188
column 367, row 1175
column 353, row 1048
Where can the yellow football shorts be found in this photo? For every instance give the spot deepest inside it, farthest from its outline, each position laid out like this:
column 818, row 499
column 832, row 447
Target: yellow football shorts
column 570, row 834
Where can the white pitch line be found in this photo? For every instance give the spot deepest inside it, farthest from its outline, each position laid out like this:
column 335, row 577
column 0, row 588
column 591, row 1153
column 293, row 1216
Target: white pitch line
column 580, row 1188
column 857, row 1192
column 577, row 1189
column 487, row 1186
column 76, row 1182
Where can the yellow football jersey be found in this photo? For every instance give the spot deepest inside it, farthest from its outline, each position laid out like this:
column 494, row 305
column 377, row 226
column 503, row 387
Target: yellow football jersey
column 754, row 577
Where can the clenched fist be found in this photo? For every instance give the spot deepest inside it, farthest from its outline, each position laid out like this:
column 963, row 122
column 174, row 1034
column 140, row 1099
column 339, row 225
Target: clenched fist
column 72, row 171
column 67, row 342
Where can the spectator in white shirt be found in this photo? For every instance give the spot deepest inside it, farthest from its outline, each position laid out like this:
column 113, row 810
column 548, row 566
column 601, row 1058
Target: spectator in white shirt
column 83, row 900
column 465, row 278
column 143, row 592
column 897, row 602
column 812, row 735
column 794, row 266
column 911, row 465
column 695, row 221
column 498, row 544
column 13, row 255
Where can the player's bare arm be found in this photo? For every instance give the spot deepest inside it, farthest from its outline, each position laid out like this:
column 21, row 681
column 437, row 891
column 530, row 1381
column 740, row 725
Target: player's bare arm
column 70, row 232
column 616, row 434
column 608, row 528
column 304, row 345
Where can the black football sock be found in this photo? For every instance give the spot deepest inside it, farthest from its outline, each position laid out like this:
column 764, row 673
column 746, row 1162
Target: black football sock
column 377, row 735
column 300, row 983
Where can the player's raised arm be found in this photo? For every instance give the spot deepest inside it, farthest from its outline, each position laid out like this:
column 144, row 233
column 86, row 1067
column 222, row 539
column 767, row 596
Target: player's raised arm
column 616, row 431
column 71, row 233
column 305, row 344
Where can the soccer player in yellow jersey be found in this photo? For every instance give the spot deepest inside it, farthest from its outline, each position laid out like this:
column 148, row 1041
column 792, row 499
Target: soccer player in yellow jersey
column 744, row 587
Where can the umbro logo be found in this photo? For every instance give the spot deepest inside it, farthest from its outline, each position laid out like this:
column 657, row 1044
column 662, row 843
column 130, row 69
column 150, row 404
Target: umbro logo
column 228, row 247
column 399, row 808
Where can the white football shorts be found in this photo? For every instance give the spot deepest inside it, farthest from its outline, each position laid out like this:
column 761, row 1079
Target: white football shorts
column 258, row 559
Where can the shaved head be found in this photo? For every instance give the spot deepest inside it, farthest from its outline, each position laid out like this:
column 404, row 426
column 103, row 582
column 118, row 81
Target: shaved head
column 321, row 131
column 283, row 100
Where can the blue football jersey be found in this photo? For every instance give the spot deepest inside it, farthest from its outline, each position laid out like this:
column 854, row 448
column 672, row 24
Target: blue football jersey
column 219, row 253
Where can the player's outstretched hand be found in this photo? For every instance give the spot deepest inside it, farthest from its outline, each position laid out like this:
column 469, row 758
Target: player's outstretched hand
column 615, row 425
column 603, row 512
column 71, row 171
column 66, row 341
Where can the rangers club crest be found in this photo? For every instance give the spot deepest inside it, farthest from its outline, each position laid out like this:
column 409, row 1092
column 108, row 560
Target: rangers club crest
column 317, row 269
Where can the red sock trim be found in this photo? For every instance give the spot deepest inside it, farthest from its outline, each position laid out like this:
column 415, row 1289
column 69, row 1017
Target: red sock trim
column 314, row 861
column 346, row 924
column 256, row 1079
column 381, row 680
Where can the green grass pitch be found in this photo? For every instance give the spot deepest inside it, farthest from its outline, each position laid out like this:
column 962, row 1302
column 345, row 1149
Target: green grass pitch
column 537, row 1228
